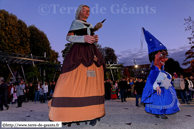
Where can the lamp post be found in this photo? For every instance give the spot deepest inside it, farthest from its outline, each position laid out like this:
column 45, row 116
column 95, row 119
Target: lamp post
column 136, row 66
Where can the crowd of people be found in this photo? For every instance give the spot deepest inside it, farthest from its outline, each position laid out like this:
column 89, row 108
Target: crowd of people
column 19, row 92
column 125, row 88
column 133, row 87
column 187, row 93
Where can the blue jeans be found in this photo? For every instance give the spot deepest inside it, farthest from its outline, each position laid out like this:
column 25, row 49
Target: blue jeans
column 45, row 96
column 190, row 95
column 137, row 99
column 123, row 95
column 36, row 97
column 184, row 96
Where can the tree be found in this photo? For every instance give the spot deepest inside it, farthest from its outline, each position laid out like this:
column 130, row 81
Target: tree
column 14, row 37
column 39, row 42
column 13, row 34
column 109, row 55
column 54, row 56
column 66, row 50
column 172, row 66
column 24, row 36
column 190, row 53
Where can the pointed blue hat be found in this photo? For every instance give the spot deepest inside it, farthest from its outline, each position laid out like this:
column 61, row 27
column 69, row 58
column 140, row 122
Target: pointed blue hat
column 153, row 43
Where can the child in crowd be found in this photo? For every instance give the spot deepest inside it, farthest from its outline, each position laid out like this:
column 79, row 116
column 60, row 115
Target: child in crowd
column 113, row 93
column 14, row 100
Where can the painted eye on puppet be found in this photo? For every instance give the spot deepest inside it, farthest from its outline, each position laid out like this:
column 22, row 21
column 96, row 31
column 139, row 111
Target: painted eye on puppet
column 163, row 55
column 86, row 10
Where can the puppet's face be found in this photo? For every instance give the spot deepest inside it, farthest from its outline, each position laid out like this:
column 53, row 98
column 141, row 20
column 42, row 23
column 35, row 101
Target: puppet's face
column 85, row 12
column 160, row 59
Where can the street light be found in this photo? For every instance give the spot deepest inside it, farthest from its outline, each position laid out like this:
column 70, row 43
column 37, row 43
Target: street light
column 135, row 64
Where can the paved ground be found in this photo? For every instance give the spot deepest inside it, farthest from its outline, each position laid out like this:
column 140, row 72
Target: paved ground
column 118, row 116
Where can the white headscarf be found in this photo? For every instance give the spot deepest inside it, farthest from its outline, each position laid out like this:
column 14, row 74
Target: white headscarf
column 78, row 24
column 78, row 11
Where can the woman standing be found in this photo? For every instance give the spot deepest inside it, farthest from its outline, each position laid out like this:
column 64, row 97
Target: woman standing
column 79, row 91
column 45, row 87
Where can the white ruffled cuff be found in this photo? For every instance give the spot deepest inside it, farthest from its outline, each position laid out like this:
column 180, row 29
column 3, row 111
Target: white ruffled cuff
column 75, row 39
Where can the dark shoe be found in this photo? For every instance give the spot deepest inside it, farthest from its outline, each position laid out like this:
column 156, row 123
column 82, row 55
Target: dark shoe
column 137, row 106
column 125, row 101
column 157, row 116
column 77, row 123
column 7, row 107
column 69, row 125
column 1, row 110
column 93, row 122
column 182, row 102
column 188, row 103
column 164, row 117
column 17, row 107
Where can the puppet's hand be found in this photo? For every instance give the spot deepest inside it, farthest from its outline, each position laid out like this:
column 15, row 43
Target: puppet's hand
column 158, row 90
column 89, row 39
column 96, row 38
column 95, row 58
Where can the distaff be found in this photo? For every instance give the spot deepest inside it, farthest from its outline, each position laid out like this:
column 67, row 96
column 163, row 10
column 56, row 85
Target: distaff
column 96, row 27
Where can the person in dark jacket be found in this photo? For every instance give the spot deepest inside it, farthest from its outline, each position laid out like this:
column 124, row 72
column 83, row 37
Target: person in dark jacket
column 139, row 85
column 20, row 93
column 108, row 87
column 53, row 86
column 31, row 92
column 123, row 89
column 183, row 92
column 3, row 95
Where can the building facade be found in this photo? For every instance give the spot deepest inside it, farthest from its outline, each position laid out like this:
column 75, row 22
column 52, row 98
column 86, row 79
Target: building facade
column 140, row 70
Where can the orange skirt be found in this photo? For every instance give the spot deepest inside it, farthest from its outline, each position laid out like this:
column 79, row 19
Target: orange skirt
column 77, row 96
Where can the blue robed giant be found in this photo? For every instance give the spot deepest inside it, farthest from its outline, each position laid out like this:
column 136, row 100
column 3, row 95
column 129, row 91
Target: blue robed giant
column 167, row 103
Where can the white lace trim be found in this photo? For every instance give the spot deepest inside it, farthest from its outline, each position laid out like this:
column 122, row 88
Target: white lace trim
column 165, row 106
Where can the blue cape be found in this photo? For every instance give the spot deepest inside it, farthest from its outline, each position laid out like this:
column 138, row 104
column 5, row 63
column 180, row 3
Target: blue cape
column 148, row 89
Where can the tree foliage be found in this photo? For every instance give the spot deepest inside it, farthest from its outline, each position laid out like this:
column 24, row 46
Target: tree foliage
column 66, row 50
column 17, row 37
column 189, row 60
column 39, row 42
column 172, row 66
column 14, row 35
column 109, row 55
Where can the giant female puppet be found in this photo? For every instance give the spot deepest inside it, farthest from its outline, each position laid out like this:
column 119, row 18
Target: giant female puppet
column 79, row 91
column 159, row 96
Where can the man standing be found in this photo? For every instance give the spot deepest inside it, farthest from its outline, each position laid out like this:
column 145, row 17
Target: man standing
column 191, row 85
column 123, row 89
column 108, row 87
column 183, row 92
column 3, row 95
column 139, row 85
column 20, row 93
